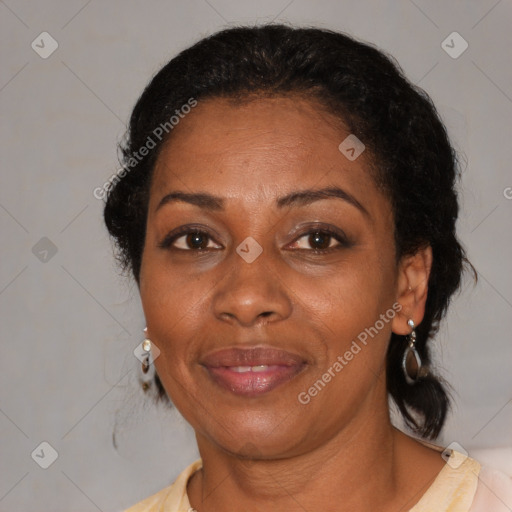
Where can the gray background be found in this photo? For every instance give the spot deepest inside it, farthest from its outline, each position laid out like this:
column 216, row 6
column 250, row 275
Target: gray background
column 70, row 322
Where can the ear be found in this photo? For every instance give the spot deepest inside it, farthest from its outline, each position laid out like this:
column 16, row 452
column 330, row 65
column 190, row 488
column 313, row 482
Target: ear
column 412, row 289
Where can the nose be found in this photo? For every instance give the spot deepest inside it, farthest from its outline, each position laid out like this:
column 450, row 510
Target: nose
column 251, row 294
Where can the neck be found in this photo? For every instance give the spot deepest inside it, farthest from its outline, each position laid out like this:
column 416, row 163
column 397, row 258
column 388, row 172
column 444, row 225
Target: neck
column 355, row 470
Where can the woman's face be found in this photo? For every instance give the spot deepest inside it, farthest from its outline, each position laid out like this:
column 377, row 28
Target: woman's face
column 246, row 309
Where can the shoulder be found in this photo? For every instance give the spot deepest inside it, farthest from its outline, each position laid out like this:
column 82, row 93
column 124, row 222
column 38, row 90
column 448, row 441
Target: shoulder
column 454, row 487
column 173, row 497
column 493, row 492
column 464, row 485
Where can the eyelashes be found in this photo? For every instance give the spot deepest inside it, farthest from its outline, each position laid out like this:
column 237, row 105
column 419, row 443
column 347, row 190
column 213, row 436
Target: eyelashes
column 321, row 234
column 186, row 231
column 200, row 240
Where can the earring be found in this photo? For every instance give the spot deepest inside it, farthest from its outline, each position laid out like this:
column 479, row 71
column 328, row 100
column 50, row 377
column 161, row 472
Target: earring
column 411, row 361
column 146, row 347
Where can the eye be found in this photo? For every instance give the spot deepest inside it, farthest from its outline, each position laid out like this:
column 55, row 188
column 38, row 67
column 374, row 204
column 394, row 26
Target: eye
column 187, row 239
column 322, row 240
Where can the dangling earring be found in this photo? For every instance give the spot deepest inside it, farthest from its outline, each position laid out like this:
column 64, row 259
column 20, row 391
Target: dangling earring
column 411, row 361
column 146, row 347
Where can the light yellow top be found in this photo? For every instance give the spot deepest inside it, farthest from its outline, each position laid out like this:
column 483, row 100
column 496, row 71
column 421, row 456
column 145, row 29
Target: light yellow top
column 461, row 486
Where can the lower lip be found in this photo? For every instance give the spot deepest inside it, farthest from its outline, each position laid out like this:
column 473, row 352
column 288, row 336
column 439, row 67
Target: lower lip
column 253, row 383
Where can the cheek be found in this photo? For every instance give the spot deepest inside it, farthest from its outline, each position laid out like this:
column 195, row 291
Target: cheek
column 357, row 317
column 355, row 308
column 175, row 305
column 352, row 295
column 168, row 295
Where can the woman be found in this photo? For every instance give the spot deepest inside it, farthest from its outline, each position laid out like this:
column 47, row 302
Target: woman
column 288, row 209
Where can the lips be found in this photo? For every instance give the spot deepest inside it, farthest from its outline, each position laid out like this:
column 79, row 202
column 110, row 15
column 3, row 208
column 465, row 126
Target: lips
column 252, row 371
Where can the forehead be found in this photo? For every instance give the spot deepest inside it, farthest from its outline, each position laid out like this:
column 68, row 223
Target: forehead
column 259, row 148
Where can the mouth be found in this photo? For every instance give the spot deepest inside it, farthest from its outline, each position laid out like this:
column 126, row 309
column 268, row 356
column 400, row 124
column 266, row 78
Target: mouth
column 252, row 371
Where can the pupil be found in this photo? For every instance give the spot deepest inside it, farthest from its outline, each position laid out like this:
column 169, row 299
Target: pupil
column 320, row 239
column 196, row 240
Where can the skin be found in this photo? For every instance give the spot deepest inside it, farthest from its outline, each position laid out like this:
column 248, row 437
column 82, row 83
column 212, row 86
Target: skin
column 270, row 452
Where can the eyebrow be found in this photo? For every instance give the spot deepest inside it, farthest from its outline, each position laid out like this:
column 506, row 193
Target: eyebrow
column 297, row 198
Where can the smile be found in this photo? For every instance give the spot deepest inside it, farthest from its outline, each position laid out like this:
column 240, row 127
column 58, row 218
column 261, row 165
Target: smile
column 254, row 371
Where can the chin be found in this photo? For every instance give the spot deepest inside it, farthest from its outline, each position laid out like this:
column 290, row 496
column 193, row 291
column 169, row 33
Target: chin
column 255, row 433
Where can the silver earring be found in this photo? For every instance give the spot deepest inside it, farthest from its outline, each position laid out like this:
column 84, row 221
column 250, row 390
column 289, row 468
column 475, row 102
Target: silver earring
column 411, row 361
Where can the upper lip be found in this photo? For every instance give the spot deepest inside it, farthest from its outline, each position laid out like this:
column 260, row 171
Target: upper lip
column 251, row 356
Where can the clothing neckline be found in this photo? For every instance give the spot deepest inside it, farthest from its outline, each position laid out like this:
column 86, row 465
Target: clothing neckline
column 460, row 471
